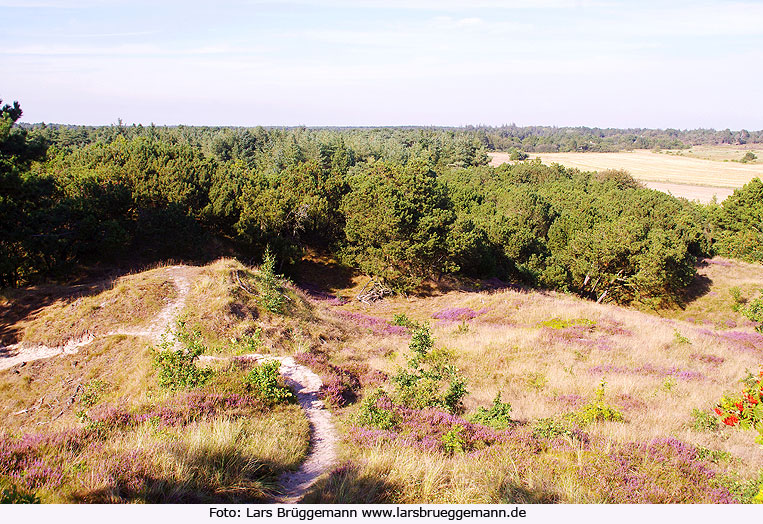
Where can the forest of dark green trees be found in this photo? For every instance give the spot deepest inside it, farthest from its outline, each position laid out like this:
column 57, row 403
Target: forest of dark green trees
column 400, row 204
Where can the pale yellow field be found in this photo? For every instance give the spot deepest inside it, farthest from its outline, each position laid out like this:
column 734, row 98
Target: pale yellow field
column 700, row 178
column 719, row 153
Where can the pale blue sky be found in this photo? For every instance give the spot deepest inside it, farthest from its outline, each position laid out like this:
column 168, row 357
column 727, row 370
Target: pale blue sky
column 371, row 62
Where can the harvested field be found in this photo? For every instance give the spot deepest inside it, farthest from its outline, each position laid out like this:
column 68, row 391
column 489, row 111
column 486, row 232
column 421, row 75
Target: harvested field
column 693, row 178
column 704, row 194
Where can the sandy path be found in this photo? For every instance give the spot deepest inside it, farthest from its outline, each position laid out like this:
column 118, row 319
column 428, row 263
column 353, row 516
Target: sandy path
column 323, row 436
column 20, row 352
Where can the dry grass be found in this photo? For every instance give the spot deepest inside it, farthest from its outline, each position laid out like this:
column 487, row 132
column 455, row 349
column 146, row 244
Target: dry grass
column 44, row 394
column 132, row 302
column 546, row 353
column 540, row 369
column 224, row 306
column 709, row 302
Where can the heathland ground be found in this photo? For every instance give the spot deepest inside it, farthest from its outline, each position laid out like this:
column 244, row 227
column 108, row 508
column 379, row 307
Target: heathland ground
column 607, row 403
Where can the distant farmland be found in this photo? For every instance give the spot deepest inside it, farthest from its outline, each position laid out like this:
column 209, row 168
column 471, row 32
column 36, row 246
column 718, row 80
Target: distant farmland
column 693, row 178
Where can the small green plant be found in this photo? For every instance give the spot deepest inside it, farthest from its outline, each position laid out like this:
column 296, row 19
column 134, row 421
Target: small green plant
column 550, row 428
column 92, row 391
column 558, row 323
column 370, row 415
column 498, row 416
column 754, row 311
column 713, row 455
column 598, row 410
column 704, row 420
column 250, row 343
column 453, row 441
column 264, row 381
column 679, row 338
column 536, row 380
column 176, row 368
column 271, row 296
column 736, row 295
column 402, row 319
column 431, row 379
column 668, row 384
column 463, row 328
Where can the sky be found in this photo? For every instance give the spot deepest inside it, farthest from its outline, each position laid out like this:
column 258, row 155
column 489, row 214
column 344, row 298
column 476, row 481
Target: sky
column 657, row 64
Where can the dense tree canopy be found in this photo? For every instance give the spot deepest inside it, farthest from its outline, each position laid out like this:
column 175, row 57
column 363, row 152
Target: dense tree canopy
column 401, row 204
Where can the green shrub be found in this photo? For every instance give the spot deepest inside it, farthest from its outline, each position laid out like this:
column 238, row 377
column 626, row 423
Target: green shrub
column 370, row 415
column 736, row 295
column 745, row 410
column 250, row 343
column 403, row 320
column 550, row 428
column 498, row 416
column 264, row 381
column 598, row 410
column 704, row 420
column 92, row 391
column 754, row 311
column 271, row 295
column 431, row 379
column 748, row 157
column 453, row 441
column 177, row 368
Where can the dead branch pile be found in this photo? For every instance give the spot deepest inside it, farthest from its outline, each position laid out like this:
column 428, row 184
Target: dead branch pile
column 373, row 290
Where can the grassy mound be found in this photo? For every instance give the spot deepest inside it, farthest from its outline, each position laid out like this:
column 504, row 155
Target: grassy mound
column 132, row 301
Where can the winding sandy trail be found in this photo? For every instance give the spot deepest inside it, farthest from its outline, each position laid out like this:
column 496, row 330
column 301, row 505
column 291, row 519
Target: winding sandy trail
column 20, row 353
column 323, row 437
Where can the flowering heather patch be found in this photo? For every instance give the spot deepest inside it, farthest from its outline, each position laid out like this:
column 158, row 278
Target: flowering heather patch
column 648, row 370
column 458, row 314
column 180, row 411
column 582, row 334
column 613, row 327
column 23, row 459
column 424, row 430
column 629, row 402
column 664, row 470
column 724, row 263
column 708, row 359
column 378, row 326
column 340, row 385
column 743, row 340
column 660, row 471
column 570, row 400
